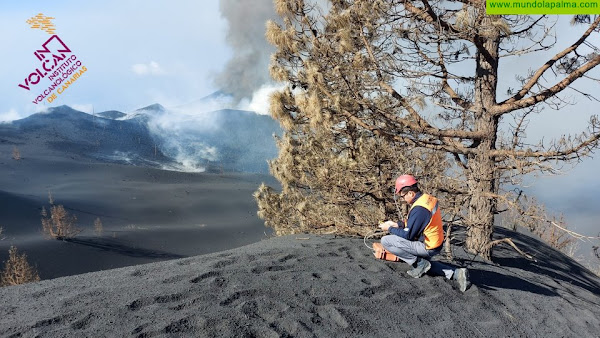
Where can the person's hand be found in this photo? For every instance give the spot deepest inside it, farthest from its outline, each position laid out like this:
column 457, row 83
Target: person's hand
column 385, row 226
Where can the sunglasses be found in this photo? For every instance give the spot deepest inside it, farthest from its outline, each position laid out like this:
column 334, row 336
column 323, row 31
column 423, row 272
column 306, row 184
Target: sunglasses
column 401, row 195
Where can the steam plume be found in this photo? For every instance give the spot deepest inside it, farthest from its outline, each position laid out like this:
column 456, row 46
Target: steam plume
column 248, row 68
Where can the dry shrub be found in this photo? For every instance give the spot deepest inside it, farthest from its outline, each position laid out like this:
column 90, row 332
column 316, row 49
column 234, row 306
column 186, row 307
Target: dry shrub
column 16, row 155
column 529, row 213
column 17, row 270
column 557, row 238
column 60, row 224
column 98, row 229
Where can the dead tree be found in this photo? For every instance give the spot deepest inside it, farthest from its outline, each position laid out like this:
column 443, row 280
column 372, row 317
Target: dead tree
column 420, row 75
column 59, row 224
column 98, row 228
column 16, row 154
column 17, row 270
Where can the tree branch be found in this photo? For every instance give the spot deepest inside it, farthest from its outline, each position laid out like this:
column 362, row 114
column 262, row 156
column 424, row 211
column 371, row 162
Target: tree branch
column 528, row 27
column 457, row 99
column 511, row 243
column 588, row 144
column 507, row 107
column 429, row 16
column 422, row 125
column 517, row 100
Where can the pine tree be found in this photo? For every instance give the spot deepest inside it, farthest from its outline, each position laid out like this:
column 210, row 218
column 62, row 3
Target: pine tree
column 380, row 88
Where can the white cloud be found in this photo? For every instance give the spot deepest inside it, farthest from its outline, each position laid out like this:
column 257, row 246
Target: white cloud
column 9, row 116
column 260, row 99
column 151, row 68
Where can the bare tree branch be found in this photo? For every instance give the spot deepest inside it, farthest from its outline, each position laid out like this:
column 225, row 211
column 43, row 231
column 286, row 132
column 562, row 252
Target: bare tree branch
column 517, row 101
column 579, row 150
column 511, row 243
column 504, row 108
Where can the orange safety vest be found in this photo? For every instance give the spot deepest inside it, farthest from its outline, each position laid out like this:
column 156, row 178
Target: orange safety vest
column 434, row 231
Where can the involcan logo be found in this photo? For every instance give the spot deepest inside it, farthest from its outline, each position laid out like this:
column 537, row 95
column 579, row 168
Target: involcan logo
column 58, row 65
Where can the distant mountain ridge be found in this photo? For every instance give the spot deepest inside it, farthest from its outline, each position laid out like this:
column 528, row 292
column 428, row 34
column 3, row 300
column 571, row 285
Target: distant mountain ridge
column 226, row 139
column 74, row 133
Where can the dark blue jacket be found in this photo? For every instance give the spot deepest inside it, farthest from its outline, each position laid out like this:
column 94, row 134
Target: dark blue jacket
column 418, row 218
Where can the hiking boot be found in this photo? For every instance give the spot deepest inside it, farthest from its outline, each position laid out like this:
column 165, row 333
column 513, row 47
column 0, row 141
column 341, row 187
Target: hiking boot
column 462, row 277
column 421, row 268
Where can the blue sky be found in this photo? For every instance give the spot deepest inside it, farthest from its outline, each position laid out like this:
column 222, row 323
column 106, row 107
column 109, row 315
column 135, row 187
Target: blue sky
column 143, row 52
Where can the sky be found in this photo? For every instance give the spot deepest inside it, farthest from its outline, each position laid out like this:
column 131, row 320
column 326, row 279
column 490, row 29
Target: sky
column 175, row 52
column 136, row 52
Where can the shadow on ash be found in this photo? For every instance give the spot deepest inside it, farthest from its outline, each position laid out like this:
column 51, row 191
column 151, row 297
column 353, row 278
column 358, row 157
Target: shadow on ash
column 308, row 285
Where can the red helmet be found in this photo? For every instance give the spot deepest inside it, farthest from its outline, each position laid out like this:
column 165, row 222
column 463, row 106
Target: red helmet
column 404, row 181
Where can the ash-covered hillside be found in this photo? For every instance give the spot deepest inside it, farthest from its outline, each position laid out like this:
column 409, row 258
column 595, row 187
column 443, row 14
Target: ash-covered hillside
column 63, row 131
column 153, row 136
column 313, row 286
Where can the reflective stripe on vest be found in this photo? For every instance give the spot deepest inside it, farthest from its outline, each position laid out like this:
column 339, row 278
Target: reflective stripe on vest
column 434, row 231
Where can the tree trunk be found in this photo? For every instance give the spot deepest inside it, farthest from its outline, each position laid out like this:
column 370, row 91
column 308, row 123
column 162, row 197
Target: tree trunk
column 480, row 219
column 481, row 166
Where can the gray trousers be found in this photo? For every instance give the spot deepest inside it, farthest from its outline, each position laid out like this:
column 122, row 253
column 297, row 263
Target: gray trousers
column 409, row 251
